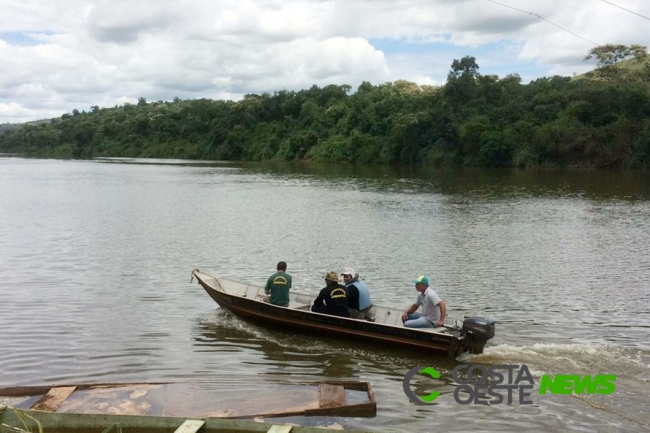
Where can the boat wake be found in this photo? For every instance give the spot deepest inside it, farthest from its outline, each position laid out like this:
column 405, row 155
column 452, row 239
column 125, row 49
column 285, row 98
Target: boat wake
column 630, row 400
column 550, row 358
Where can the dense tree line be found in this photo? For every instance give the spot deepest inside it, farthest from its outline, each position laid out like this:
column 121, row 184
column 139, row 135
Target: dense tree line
column 599, row 120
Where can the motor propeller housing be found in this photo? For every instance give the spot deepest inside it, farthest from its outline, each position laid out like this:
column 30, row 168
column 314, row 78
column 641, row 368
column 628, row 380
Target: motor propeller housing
column 479, row 330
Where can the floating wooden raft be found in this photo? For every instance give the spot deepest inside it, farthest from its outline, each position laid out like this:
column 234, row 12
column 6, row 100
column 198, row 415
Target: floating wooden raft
column 201, row 400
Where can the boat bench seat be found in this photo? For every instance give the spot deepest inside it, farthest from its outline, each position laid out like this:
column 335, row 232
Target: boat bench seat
column 299, row 306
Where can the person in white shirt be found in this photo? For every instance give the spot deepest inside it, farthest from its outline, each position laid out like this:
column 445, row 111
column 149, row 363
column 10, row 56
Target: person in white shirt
column 434, row 309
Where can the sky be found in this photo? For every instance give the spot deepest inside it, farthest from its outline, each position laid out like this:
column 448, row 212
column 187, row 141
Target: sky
column 60, row 55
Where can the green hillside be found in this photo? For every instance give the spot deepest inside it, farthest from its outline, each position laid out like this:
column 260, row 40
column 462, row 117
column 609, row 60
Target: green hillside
column 473, row 120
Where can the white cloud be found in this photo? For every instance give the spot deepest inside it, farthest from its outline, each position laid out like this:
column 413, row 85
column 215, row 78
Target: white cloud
column 56, row 56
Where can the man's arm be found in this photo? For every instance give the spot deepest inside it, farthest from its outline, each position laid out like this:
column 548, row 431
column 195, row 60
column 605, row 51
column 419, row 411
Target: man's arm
column 443, row 313
column 410, row 310
column 267, row 288
column 319, row 300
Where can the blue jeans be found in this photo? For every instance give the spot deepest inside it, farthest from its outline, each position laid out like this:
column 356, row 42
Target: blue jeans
column 417, row 320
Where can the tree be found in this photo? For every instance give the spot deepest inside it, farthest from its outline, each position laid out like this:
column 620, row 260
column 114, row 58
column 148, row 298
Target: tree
column 461, row 88
column 611, row 54
column 609, row 57
column 466, row 68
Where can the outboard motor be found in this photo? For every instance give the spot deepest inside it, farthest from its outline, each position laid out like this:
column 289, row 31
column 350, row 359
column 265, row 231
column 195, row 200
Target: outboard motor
column 478, row 331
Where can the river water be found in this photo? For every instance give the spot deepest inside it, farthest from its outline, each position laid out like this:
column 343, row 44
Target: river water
column 95, row 262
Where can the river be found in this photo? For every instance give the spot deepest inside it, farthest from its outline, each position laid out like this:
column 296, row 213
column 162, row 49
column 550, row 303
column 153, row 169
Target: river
column 96, row 256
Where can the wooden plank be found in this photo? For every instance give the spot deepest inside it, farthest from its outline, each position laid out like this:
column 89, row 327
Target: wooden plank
column 190, row 426
column 331, row 395
column 51, row 401
column 280, row 429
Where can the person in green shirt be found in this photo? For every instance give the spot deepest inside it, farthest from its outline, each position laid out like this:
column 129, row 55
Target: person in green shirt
column 277, row 286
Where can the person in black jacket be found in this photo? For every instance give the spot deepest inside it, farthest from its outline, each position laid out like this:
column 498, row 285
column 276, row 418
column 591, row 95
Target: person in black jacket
column 333, row 298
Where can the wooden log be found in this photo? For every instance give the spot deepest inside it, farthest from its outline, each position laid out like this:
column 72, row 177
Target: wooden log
column 51, row 401
column 280, row 429
column 190, row 426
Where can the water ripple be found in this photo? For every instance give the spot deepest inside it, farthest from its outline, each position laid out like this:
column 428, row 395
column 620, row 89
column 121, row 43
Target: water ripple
column 96, row 261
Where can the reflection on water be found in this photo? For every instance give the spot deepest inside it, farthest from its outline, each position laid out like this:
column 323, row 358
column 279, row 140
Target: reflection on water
column 302, row 355
column 95, row 262
column 470, row 182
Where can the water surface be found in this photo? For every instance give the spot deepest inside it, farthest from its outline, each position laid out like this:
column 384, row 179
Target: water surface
column 95, row 262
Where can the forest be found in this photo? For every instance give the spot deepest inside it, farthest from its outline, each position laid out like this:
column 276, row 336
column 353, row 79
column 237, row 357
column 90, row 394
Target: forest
column 597, row 120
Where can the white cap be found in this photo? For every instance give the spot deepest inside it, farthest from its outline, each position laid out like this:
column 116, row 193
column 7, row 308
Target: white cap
column 348, row 271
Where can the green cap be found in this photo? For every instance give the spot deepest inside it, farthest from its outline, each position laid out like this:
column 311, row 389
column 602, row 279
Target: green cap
column 421, row 279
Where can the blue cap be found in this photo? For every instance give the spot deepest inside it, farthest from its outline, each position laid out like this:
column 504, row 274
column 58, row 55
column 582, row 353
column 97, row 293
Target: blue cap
column 421, row 279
